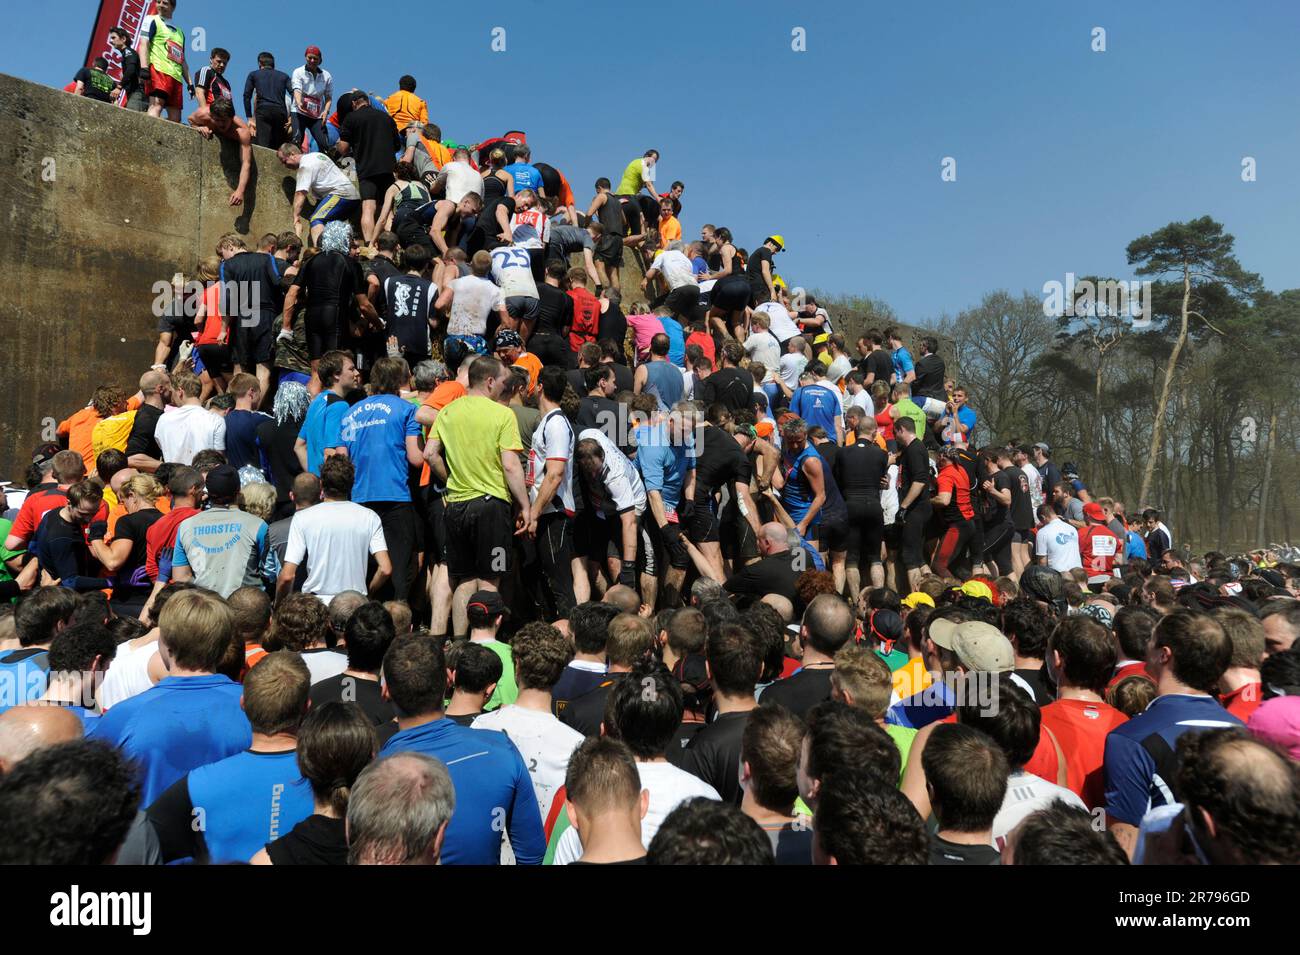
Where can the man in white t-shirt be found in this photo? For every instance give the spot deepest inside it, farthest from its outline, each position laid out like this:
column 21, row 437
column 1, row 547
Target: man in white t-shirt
column 335, row 538
column 313, row 94
column 512, row 270
column 183, row 432
column 474, row 298
column 549, row 480
column 1057, row 543
column 1021, row 460
column 459, row 178
column 540, row 653
column 779, row 320
column 643, row 703
column 616, row 497
column 333, row 194
column 683, row 296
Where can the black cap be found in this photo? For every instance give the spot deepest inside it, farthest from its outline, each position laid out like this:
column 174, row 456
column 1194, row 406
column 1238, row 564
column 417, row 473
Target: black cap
column 488, row 602
column 223, row 482
column 42, row 453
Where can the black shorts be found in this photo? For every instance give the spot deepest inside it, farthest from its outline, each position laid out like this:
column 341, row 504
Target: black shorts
column 684, row 301
column 480, row 538
column 609, row 250
column 730, row 294
column 866, row 530
column 757, row 297
column 435, row 514
column 702, row 527
column 253, row 344
column 737, row 538
column 216, row 359
column 668, row 541
column 833, row 534
column 913, row 535
column 374, row 187
column 632, row 213
column 182, row 325
column 600, row 538
column 322, row 330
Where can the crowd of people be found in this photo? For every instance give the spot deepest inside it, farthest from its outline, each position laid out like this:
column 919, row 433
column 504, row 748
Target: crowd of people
column 419, row 543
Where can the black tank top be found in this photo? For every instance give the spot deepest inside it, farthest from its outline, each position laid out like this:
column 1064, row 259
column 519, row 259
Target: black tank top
column 611, row 215
column 411, row 197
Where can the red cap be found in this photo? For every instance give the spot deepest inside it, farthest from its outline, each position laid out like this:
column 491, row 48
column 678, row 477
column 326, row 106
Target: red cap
column 1092, row 510
column 315, row 50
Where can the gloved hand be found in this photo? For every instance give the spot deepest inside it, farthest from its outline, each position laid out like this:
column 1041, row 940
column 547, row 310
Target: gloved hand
column 627, row 574
column 97, row 530
column 285, row 333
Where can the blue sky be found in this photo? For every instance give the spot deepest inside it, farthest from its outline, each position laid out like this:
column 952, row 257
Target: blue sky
column 1063, row 155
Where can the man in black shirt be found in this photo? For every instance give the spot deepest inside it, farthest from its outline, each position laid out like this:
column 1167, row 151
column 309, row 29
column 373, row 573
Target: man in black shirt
column 548, row 339
column 269, row 114
column 210, row 83
column 859, row 469
column 613, row 323
column 142, row 450
column 760, row 270
column 599, row 410
column 367, row 637
column 94, row 82
column 721, row 462
column 774, row 573
column 371, row 136
column 998, row 487
column 828, row 624
column 966, row 773
column 630, row 642
column 930, row 372
column 250, row 301
column 1021, row 511
column 731, row 385
column 876, row 365
column 119, row 40
column 735, row 662
column 914, row 508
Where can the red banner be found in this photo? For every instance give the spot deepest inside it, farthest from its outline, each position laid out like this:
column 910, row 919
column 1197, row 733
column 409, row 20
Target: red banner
column 127, row 14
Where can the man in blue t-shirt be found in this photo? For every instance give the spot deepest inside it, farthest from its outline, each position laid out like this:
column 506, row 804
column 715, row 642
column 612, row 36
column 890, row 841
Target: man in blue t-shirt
column 494, row 793
column 904, row 368
column 192, row 716
column 251, row 798
column 319, row 435
column 666, row 459
column 524, row 173
column 818, row 404
column 24, row 672
column 382, row 437
column 676, row 337
column 1187, row 655
column 242, row 422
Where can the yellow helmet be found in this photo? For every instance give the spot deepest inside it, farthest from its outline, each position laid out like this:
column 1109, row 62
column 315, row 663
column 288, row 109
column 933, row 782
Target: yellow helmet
column 779, row 240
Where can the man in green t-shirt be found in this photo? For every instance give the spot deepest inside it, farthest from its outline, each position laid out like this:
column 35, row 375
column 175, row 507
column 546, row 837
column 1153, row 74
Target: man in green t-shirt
column 862, row 679
column 486, row 611
column 905, row 407
column 474, row 448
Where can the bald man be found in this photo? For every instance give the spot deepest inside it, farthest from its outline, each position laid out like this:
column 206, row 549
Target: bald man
column 774, row 572
column 142, row 450
column 624, row 598
column 25, row 729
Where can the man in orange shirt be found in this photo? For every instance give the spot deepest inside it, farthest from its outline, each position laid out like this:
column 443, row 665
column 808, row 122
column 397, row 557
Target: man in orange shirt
column 670, row 229
column 509, row 347
column 107, row 401
column 405, row 107
column 1080, row 656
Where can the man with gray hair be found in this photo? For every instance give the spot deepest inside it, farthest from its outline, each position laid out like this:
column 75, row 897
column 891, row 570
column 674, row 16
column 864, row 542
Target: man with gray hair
column 341, row 609
column 428, row 375
column 398, row 811
column 774, row 572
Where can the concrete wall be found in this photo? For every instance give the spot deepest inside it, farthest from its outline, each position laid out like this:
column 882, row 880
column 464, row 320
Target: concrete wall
column 98, row 205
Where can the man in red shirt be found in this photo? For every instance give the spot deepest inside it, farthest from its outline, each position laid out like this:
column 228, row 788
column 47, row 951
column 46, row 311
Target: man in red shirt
column 586, row 311
column 186, row 487
column 1132, row 627
column 958, row 515
column 65, row 469
column 1242, row 689
column 1098, row 546
column 1080, row 656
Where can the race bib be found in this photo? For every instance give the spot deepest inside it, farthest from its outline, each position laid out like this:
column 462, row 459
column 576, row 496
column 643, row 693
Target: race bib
column 1103, row 546
column 310, row 104
column 175, row 51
